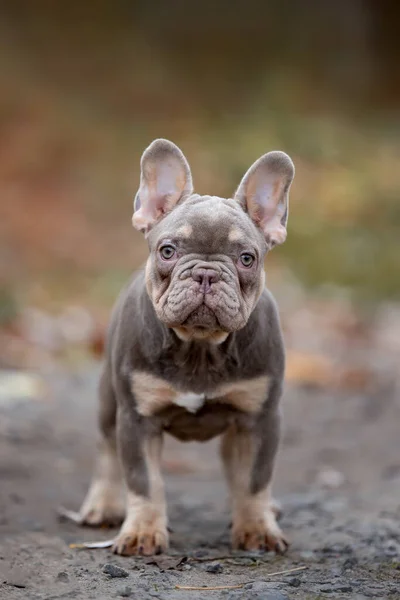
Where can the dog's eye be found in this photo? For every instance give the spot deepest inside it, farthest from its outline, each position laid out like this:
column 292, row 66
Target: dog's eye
column 246, row 259
column 167, row 252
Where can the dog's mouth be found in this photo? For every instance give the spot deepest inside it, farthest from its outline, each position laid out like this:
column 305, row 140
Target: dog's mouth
column 202, row 324
column 202, row 318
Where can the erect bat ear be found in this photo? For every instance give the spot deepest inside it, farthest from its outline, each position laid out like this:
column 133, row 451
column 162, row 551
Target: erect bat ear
column 264, row 194
column 165, row 180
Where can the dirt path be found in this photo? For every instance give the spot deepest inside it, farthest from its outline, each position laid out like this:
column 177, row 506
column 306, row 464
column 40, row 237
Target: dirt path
column 338, row 479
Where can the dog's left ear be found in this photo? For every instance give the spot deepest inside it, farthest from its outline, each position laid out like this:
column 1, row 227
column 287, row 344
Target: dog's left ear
column 165, row 180
column 264, row 194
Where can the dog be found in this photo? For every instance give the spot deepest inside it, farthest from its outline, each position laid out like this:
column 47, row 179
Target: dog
column 194, row 349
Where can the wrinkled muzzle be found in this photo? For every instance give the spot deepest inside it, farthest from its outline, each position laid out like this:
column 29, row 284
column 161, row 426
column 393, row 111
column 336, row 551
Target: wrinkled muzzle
column 203, row 295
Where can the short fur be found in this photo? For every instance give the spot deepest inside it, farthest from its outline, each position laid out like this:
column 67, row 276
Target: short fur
column 195, row 350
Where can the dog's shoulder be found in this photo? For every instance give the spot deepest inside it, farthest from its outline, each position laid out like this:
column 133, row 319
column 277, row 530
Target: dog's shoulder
column 262, row 340
column 128, row 301
column 132, row 318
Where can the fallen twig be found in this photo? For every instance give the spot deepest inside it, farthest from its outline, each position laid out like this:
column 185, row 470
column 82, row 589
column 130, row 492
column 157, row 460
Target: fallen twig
column 286, row 571
column 92, row 545
column 213, row 558
column 69, row 515
column 239, row 585
column 214, row 587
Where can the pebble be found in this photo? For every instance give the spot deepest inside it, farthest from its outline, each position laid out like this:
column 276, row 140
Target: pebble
column 200, row 553
column 391, row 548
column 125, row 592
column 214, row 568
column 294, row 582
column 114, row 571
column 328, row 588
column 330, row 478
column 307, row 555
column 62, row 576
column 350, row 563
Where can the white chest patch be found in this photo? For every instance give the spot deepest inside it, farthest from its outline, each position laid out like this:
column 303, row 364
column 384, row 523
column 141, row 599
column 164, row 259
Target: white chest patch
column 153, row 395
column 192, row 402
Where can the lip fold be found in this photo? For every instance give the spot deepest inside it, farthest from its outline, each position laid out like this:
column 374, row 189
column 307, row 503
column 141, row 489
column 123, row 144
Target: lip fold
column 202, row 317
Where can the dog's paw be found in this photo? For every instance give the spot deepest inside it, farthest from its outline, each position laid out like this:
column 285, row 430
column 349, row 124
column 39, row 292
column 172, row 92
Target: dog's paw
column 276, row 508
column 261, row 533
column 145, row 538
column 103, row 506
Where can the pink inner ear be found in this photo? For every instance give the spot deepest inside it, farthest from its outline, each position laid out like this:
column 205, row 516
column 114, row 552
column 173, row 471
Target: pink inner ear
column 274, row 231
column 143, row 220
column 264, row 191
column 162, row 186
column 266, row 207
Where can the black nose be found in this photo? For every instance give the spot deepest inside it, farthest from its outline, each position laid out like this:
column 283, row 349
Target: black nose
column 205, row 276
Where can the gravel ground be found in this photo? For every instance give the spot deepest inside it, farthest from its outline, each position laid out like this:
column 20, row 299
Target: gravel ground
column 338, row 479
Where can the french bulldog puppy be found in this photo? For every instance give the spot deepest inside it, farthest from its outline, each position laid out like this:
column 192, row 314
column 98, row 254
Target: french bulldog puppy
column 194, row 350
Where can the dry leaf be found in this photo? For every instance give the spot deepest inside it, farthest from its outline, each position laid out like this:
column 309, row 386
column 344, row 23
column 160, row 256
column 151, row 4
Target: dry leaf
column 355, row 379
column 310, row 369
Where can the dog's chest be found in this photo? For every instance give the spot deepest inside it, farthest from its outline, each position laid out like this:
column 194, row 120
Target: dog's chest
column 192, row 402
column 154, row 394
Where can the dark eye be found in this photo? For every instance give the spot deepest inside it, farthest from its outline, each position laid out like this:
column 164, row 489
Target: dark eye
column 167, row 252
column 246, row 259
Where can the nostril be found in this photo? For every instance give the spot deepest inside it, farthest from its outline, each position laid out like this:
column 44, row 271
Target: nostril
column 213, row 275
column 198, row 274
column 205, row 277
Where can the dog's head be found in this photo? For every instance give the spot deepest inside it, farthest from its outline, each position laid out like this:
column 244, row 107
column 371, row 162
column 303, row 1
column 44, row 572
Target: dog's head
column 205, row 270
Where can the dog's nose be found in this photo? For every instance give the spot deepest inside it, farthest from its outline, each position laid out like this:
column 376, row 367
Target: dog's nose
column 205, row 276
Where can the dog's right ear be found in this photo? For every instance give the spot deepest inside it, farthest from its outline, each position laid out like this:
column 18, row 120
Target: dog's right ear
column 165, row 180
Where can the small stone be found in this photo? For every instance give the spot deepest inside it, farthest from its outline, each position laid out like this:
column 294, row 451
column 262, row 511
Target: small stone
column 215, row 568
column 330, row 478
column 125, row 592
column 200, row 553
column 337, row 548
column 329, row 588
column 350, row 563
column 114, row 571
column 294, row 582
column 391, row 548
column 307, row 555
column 62, row 576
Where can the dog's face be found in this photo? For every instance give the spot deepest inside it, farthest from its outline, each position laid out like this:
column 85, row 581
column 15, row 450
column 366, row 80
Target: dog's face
column 205, row 270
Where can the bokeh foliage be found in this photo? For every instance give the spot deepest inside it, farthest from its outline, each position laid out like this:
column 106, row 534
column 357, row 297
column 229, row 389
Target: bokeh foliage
column 85, row 87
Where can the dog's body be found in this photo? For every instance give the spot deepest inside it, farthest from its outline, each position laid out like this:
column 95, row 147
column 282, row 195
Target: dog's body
column 194, row 349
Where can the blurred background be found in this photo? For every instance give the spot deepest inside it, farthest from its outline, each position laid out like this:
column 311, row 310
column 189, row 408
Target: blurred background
column 85, row 87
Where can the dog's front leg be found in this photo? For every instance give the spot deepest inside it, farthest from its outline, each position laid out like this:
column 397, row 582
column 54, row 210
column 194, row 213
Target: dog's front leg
column 105, row 501
column 139, row 441
column 248, row 454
